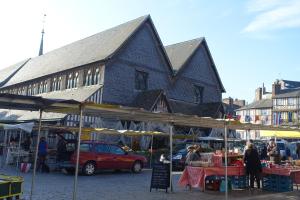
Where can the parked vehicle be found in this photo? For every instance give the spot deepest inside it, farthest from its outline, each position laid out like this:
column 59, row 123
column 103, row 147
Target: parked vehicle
column 178, row 160
column 97, row 155
column 293, row 148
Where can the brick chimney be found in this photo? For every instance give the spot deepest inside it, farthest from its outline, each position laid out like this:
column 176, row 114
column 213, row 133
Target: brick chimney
column 258, row 94
column 276, row 88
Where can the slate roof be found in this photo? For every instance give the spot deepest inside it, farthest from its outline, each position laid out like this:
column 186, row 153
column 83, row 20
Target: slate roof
column 146, row 99
column 264, row 103
column 291, row 84
column 288, row 93
column 180, row 53
column 8, row 72
column 202, row 110
column 98, row 47
column 78, row 94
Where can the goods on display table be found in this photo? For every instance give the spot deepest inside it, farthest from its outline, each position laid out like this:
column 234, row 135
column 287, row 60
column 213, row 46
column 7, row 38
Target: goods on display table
column 209, row 172
column 10, row 186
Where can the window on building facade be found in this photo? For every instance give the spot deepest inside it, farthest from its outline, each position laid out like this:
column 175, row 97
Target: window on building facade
column 97, row 76
column 291, row 101
column 70, row 81
column 54, row 84
column 88, row 78
column 198, row 92
column 58, row 85
column 75, row 80
column 141, row 80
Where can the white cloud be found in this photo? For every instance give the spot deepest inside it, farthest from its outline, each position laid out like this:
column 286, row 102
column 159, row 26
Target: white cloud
column 273, row 15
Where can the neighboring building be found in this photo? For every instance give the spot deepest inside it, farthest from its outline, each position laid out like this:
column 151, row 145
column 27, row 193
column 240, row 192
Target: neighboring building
column 286, row 103
column 279, row 107
column 231, row 105
column 125, row 65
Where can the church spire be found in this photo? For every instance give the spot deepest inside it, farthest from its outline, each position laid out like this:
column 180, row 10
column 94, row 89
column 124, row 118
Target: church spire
column 42, row 40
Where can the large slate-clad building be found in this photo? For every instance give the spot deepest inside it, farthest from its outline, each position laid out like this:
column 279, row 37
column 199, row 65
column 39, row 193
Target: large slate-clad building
column 125, row 65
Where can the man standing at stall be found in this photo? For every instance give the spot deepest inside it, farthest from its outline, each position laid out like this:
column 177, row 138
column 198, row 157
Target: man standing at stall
column 253, row 165
column 42, row 153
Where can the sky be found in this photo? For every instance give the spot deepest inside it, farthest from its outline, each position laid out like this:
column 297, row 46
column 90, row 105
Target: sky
column 252, row 41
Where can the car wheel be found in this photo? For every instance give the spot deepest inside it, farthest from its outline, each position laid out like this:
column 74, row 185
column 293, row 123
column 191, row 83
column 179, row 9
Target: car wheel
column 89, row 168
column 137, row 167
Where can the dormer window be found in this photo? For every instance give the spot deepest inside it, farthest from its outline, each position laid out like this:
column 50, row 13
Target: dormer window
column 198, row 92
column 141, row 80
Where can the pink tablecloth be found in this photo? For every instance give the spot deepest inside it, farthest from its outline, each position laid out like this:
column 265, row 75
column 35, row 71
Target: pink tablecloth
column 295, row 174
column 195, row 176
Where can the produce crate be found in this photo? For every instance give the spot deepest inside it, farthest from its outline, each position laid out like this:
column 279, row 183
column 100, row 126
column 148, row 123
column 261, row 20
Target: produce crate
column 240, row 182
column 10, row 186
column 277, row 183
column 4, row 189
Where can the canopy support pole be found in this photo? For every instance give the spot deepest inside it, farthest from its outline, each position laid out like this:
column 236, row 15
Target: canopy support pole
column 77, row 155
column 151, row 151
column 4, row 148
column 226, row 164
column 36, row 154
column 171, row 152
column 19, row 149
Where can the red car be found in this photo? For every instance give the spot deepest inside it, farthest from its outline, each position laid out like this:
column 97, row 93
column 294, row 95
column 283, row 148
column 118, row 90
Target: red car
column 97, row 155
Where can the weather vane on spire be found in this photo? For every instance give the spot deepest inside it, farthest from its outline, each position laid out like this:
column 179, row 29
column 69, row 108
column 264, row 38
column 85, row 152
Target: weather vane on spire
column 42, row 40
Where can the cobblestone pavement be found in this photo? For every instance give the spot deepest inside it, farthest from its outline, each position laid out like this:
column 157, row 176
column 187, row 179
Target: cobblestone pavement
column 124, row 185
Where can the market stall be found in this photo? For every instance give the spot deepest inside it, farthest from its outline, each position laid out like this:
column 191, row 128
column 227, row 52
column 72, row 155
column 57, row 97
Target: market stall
column 8, row 101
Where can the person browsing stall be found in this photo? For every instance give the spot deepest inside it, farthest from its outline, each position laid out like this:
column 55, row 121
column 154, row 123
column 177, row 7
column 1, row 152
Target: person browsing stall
column 253, row 165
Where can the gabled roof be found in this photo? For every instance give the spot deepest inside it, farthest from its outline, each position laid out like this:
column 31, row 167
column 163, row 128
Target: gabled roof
column 7, row 73
column 212, row 109
column 146, row 99
column 288, row 93
column 264, row 103
column 180, row 54
column 98, row 47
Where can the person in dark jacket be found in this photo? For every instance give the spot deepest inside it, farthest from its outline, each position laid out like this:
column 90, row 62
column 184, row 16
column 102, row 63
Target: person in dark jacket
column 62, row 154
column 253, row 165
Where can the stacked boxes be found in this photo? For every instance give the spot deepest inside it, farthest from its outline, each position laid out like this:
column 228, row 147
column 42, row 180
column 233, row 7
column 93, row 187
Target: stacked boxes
column 277, row 183
column 240, row 182
column 10, row 186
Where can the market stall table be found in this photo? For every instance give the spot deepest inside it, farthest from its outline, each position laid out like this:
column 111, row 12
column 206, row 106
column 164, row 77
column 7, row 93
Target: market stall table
column 195, row 176
column 294, row 173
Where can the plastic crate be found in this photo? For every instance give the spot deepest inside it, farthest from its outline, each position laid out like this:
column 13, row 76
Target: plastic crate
column 240, row 182
column 276, row 183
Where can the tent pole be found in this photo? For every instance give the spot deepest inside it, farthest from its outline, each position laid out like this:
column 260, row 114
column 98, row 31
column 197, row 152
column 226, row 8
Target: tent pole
column 36, row 155
column 171, row 152
column 77, row 155
column 226, row 164
column 4, row 148
column 151, row 151
column 19, row 148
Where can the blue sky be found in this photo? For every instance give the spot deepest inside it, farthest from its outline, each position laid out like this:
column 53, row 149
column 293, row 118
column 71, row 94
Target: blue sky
column 252, row 41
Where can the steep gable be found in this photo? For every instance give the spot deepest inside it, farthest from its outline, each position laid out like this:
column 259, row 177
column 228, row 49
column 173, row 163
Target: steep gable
column 98, row 47
column 183, row 54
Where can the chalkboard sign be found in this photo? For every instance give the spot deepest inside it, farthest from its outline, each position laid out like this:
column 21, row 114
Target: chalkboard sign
column 160, row 177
